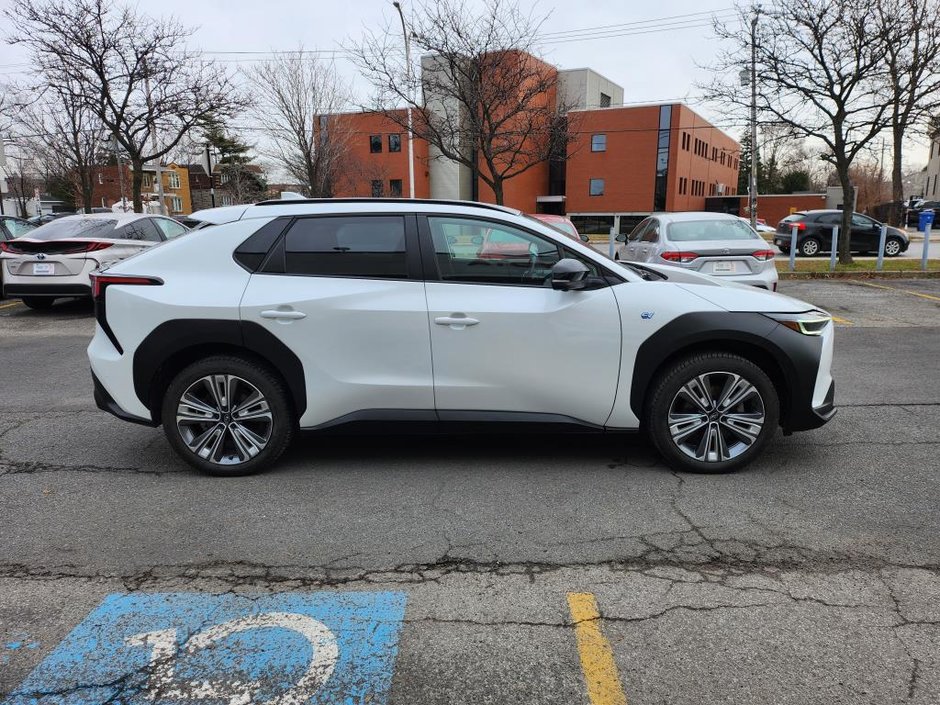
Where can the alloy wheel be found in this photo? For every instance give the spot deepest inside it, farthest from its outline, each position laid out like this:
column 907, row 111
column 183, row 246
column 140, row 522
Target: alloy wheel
column 224, row 419
column 716, row 416
column 892, row 248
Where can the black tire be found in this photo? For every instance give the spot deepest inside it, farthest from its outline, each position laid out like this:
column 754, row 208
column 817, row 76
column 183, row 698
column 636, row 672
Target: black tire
column 227, row 457
column 894, row 246
column 667, row 397
column 810, row 247
column 38, row 303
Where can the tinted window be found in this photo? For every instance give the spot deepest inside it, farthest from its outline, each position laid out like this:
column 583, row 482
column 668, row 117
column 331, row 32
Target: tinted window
column 478, row 251
column 830, row 219
column 251, row 253
column 860, row 221
column 651, row 233
column 170, row 228
column 375, row 143
column 143, row 230
column 394, row 143
column 361, row 246
column 711, row 230
column 75, row 227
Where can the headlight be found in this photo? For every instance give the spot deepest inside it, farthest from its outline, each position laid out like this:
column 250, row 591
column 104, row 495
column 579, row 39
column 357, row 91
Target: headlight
column 807, row 323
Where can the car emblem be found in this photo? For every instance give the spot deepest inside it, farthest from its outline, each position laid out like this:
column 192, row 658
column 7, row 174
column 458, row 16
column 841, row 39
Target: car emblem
column 726, row 251
column 646, row 315
column 40, row 256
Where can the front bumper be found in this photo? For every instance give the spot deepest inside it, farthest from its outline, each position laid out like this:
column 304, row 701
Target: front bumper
column 806, row 419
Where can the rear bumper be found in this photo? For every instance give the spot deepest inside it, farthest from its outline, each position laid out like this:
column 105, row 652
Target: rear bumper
column 17, row 290
column 105, row 402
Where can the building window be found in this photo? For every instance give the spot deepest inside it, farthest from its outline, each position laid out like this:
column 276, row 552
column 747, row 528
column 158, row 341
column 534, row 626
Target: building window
column 662, row 158
column 375, row 143
column 394, row 143
column 598, row 143
column 176, row 204
column 227, row 199
column 395, row 188
column 605, row 100
column 147, row 181
column 174, row 180
column 225, row 177
column 377, row 190
column 596, row 187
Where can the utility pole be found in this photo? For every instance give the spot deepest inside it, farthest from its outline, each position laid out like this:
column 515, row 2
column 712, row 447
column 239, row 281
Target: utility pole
column 120, row 169
column 209, row 169
column 153, row 136
column 411, row 154
column 752, row 187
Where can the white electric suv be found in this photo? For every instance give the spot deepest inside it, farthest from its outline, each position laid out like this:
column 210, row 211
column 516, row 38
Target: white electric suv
column 289, row 315
column 56, row 259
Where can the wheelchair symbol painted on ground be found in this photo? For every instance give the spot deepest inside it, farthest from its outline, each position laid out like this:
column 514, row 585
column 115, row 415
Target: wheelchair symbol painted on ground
column 178, row 648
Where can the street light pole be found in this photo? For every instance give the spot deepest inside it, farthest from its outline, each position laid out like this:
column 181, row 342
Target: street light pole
column 153, row 135
column 411, row 153
column 752, row 186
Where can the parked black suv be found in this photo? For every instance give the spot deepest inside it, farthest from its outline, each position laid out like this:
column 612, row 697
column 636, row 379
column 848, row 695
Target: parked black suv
column 815, row 234
column 913, row 214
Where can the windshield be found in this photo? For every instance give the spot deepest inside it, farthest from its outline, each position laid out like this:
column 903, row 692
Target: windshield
column 77, row 227
column 693, row 230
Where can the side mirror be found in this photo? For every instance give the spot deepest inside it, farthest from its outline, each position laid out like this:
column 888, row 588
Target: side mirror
column 569, row 274
column 622, row 237
column 584, row 238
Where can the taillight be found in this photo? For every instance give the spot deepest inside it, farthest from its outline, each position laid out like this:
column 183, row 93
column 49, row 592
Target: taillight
column 6, row 247
column 100, row 282
column 683, row 257
column 764, row 255
column 95, row 246
column 52, row 247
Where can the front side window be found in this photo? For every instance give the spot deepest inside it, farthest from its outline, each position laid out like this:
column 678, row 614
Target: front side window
column 375, row 143
column 170, row 228
column 348, row 246
column 598, row 143
column 485, row 252
column 394, row 143
column 596, row 187
column 141, row 229
column 860, row 221
column 651, row 234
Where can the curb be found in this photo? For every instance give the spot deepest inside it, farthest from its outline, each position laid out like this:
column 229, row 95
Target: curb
column 929, row 274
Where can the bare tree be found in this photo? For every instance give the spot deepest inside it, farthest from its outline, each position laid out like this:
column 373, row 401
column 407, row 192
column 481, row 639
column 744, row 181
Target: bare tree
column 821, row 72
column 134, row 72
column 910, row 37
column 296, row 93
column 64, row 135
column 484, row 99
column 22, row 180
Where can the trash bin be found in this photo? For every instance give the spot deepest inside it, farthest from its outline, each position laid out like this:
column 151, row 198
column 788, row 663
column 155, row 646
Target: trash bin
column 925, row 219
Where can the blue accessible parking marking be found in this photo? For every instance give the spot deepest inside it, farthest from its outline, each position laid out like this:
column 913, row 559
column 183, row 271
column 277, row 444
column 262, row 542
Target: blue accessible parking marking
column 174, row 648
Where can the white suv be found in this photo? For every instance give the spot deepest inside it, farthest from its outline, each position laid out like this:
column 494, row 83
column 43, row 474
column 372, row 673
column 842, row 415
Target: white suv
column 312, row 314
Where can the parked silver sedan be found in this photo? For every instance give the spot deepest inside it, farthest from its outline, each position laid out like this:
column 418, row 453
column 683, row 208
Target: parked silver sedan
column 709, row 243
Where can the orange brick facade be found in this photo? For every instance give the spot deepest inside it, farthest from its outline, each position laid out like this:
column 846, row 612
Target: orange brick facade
column 364, row 168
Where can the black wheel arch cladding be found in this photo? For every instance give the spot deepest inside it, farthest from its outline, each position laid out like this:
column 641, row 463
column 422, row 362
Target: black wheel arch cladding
column 795, row 356
column 172, row 339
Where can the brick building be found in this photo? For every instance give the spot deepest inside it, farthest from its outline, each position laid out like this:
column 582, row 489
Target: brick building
column 625, row 162
column 106, row 182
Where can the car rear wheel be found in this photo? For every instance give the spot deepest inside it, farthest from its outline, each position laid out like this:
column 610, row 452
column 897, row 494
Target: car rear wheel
column 38, row 303
column 893, row 247
column 809, row 247
column 712, row 412
column 228, row 416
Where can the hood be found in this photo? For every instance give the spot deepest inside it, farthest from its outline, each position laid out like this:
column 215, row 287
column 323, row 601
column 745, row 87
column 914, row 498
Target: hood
column 729, row 295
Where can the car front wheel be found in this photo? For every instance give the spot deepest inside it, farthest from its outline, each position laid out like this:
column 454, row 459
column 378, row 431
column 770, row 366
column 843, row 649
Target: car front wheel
column 712, row 412
column 893, row 247
column 228, row 416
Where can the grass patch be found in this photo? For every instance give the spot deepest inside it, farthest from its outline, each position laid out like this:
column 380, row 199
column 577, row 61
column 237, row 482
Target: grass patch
column 859, row 265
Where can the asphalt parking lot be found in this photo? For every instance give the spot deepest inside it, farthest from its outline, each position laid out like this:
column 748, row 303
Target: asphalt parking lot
column 528, row 569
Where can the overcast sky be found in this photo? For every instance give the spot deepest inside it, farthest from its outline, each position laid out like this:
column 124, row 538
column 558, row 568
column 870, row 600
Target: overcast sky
column 654, row 50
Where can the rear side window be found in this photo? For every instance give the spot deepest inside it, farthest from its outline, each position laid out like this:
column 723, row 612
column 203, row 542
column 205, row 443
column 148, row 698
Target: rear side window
column 142, row 229
column 348, row 246
column 794, row 218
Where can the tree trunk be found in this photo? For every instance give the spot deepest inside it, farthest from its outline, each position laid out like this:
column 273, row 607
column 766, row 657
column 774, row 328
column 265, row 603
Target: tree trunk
column 498, row 190
column 137, row 182
column 897, row 185
column 87, row 189
column 848, row 200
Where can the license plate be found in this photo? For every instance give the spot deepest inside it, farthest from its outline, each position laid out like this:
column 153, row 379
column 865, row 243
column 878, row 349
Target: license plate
column 725, row 267
column 43, row 268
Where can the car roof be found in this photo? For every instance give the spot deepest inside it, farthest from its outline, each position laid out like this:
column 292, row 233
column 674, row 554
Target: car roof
column 693, row 215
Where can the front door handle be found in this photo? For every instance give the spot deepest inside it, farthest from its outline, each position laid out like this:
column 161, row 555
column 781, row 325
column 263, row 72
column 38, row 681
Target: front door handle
column 279, row 314
column 457, row 321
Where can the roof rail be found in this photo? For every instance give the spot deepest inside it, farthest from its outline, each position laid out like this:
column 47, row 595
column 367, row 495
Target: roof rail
column 428, row 201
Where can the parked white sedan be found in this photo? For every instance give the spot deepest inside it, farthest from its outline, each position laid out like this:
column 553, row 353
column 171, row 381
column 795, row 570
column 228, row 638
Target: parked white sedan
column 708, row 243
column 55, row 260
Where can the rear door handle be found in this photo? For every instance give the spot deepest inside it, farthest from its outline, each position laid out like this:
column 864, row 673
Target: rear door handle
column 283, row 315
column 456, row 322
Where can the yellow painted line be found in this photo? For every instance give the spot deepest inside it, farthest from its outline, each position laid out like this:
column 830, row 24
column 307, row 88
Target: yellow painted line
column 15, row 303
column 597, row 658
column 843, row 321
column 903, row 291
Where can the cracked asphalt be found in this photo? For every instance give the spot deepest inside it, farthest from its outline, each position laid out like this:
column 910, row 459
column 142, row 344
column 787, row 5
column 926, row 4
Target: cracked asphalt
column 811, row 577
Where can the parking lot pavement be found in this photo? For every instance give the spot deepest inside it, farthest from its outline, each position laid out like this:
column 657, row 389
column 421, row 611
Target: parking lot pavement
column 813, row 576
